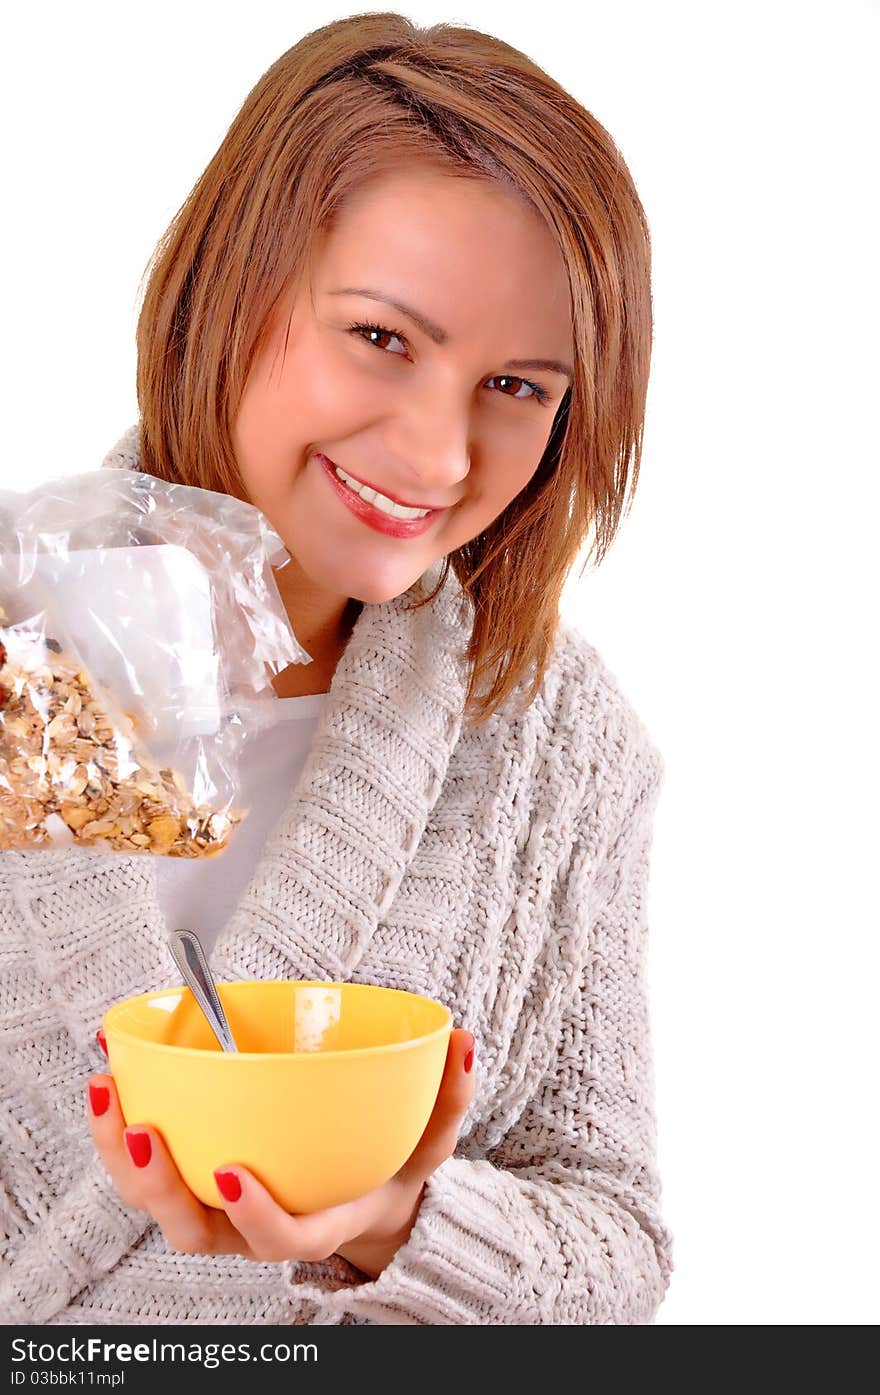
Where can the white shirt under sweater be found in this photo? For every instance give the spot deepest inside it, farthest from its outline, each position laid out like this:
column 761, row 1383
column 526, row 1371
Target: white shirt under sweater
column 201, row 895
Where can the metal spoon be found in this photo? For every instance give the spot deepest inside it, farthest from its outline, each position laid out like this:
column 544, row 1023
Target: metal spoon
column 192, row 962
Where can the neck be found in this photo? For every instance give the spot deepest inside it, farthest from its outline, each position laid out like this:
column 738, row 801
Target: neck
column 322, row 622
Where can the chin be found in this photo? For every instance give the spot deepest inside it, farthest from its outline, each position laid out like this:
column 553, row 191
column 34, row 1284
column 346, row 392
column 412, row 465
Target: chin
column 375, row 593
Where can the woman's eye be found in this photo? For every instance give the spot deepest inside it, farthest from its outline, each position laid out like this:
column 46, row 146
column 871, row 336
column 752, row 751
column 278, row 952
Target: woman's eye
column 533, row 389
column 364, row 330
column 373, row 334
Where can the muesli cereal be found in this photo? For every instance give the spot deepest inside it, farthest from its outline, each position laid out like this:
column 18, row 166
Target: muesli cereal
column 72, row 771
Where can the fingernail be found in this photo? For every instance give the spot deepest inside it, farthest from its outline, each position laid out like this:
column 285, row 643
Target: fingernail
column 99, row 1098
column 102, row 1040
column 228, row 1184
column 138, row 1144
column 469, row 1060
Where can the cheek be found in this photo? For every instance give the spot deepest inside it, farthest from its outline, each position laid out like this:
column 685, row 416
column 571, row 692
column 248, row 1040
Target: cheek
column 317, row 391
column 510, row 477
column 331, row 392
column 498, row 486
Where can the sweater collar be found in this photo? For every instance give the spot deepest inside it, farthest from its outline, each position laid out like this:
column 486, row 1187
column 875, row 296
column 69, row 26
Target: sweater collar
column 378, row 760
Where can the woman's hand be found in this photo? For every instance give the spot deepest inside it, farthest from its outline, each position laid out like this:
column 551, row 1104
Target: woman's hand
column 367, row 1232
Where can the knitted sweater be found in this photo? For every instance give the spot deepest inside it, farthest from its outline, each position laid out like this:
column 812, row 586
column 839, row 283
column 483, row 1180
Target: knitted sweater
column 502, row 871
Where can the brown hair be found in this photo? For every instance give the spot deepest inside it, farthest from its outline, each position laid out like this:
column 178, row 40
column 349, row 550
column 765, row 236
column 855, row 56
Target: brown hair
column 349, row 102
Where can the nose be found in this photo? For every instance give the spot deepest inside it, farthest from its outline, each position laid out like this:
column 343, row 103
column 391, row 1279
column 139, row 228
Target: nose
column 431, row 439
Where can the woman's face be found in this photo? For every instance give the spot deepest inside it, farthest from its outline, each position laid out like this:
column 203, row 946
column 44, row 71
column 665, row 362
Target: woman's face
column 432, row 414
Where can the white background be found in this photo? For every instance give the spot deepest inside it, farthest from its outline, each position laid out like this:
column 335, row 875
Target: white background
column 738, row 606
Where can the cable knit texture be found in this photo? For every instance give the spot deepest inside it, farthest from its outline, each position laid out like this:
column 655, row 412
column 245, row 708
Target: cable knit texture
column 502, row 871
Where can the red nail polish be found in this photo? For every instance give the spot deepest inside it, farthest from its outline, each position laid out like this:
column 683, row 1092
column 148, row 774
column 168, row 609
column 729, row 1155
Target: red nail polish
column 102, row 1040
column 469, row 1061
column 228, row 1184
column 139, row 1146
column 99, row 1098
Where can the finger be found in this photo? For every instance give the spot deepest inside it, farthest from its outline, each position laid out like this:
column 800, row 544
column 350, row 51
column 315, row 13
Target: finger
column 187, row 1224
column 438, row 1141
column 146, row 1178
column 274, row 1235
column 106, row 1125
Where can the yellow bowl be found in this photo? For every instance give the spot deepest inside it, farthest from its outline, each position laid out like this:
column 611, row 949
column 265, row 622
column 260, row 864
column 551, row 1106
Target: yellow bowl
column 326, row 1099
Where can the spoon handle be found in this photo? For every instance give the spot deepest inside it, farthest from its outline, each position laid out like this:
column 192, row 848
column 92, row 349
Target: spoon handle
column 191, row 961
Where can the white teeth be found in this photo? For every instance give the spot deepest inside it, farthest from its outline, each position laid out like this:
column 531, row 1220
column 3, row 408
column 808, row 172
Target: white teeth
column 378, row 500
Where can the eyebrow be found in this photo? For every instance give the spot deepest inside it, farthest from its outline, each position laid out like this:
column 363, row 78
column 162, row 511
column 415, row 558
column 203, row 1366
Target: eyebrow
column 440, row 336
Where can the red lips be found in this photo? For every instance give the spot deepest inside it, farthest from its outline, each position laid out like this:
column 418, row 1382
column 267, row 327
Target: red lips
column 374, row 518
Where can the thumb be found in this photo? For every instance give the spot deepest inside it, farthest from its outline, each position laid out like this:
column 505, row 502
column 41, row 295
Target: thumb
column 438, row 1141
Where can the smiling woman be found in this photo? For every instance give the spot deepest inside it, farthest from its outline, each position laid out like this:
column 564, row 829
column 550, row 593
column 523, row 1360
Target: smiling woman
column 423, row 421
column 439, row 173
column 406, row 312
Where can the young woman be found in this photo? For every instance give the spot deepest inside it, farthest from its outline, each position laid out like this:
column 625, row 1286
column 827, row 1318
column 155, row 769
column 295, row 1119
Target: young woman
column 406, row 312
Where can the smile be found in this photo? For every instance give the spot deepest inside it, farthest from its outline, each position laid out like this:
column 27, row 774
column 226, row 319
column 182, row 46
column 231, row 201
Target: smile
column 377, row 510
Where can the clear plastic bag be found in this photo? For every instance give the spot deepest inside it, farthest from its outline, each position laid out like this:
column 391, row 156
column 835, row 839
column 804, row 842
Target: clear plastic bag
column 139, row 621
